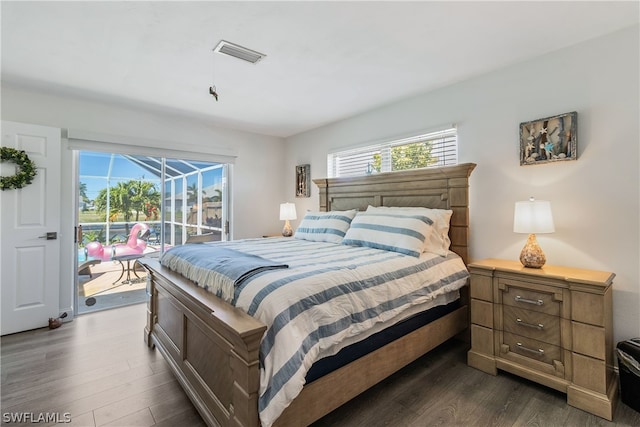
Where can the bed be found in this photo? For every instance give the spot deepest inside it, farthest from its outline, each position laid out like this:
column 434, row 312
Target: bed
column 213, row 347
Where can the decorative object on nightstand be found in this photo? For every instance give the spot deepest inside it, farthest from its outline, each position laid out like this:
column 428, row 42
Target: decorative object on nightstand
column 551, row 325
column 287, row 212
column 531, row 217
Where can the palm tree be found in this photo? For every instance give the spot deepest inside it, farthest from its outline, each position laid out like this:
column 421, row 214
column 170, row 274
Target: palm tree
column 143, row 195
column 119, row 202
column 217, row 197
column 128, row 198
column 121, row 199
column 192, row 193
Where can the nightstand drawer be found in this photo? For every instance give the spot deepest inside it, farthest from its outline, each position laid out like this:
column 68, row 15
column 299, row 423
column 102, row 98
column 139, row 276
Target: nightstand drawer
column 481, row 287
column 529, row 299
column 482, row 313
column 531, row 324
column 529, row 348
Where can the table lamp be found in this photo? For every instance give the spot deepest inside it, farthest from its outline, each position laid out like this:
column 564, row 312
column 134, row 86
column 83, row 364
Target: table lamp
column 287, row 212
column 531, row 217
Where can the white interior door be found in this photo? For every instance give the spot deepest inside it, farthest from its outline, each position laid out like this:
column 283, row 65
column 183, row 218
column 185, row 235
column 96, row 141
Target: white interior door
column 30, row 262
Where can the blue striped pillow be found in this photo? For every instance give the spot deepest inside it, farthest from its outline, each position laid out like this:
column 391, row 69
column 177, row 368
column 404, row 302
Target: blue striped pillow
column 438, row 241
column 325, row 226
column 398, row 232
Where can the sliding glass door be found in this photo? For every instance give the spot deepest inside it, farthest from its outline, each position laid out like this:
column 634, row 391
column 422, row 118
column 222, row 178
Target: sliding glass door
column 131, row 206
column 194, row 202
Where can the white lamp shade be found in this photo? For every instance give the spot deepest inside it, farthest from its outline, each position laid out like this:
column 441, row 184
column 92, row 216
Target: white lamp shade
column 287, row 211
column 533, row 216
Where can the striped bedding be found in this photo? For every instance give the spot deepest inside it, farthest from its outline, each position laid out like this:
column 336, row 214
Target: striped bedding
column 332, row 295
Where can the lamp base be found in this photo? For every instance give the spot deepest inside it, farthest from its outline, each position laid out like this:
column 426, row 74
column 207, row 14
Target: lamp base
column 287, row 231
column 532, row 255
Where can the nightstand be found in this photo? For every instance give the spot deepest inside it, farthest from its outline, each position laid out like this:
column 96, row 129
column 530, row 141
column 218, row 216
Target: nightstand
column 551, row 325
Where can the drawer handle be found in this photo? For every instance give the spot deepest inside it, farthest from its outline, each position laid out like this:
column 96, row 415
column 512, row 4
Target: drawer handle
column 539, row 326
column 538, row 352
column 518, row 298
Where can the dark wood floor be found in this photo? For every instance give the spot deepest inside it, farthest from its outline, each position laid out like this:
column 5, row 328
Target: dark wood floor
column 98, row 369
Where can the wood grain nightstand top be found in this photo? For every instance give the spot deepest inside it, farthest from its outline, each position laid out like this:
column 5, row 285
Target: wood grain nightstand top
column 569, row 274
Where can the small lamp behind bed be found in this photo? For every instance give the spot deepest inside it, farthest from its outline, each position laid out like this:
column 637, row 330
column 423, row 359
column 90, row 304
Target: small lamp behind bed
column 287, row 212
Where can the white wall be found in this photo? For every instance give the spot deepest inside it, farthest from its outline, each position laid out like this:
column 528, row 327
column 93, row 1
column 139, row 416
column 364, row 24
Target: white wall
column 257, row 172
column 595, row 200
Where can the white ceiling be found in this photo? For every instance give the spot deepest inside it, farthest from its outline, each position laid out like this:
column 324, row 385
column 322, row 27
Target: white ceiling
column 325, row 60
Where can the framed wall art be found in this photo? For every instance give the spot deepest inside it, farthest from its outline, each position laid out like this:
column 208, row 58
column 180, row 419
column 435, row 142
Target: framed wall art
column 303, row 181
column 551, row 139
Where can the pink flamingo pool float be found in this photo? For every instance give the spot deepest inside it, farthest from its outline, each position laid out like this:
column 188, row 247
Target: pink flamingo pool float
column 134, row 245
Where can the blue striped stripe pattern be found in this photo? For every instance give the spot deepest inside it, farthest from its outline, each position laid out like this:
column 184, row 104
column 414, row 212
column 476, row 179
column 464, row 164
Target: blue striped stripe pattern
column 329, row 296
column 398, row 232
column 325, row 226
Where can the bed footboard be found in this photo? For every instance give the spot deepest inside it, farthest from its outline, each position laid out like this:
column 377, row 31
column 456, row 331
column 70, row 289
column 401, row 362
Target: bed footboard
column 211, row 347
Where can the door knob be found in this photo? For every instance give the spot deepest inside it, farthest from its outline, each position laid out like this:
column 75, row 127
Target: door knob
column 50, row 235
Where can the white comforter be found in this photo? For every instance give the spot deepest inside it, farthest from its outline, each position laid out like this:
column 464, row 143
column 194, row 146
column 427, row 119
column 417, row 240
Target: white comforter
column 330, row 296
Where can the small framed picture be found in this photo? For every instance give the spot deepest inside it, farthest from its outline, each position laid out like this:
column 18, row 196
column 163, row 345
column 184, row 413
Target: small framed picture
column 551, row 139
column 303, row 181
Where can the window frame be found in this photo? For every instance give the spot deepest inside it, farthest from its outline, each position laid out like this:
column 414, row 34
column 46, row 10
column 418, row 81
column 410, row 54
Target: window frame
column 347, row 162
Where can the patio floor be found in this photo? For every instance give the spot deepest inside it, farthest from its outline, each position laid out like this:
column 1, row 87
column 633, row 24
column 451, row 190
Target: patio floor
column 107, row 294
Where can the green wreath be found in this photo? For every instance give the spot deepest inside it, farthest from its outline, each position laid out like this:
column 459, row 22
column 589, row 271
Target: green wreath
column 27, row 169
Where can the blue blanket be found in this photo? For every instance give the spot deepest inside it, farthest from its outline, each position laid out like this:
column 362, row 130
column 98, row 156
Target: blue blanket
column 216, row 269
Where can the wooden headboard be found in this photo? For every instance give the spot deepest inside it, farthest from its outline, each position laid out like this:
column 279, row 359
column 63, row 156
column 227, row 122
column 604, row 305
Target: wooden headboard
column 441, row 188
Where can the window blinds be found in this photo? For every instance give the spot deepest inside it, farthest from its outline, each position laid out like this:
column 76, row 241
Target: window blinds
column 442, row 146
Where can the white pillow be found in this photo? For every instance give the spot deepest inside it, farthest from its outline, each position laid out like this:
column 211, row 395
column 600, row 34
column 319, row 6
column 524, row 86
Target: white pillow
column 438, row 241
column 324, row 226
column 403, row 232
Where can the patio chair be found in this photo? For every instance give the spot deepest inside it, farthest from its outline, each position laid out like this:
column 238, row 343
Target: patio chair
column 84, row 268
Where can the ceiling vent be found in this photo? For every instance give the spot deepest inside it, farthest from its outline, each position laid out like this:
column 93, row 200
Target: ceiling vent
column 238, row 51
